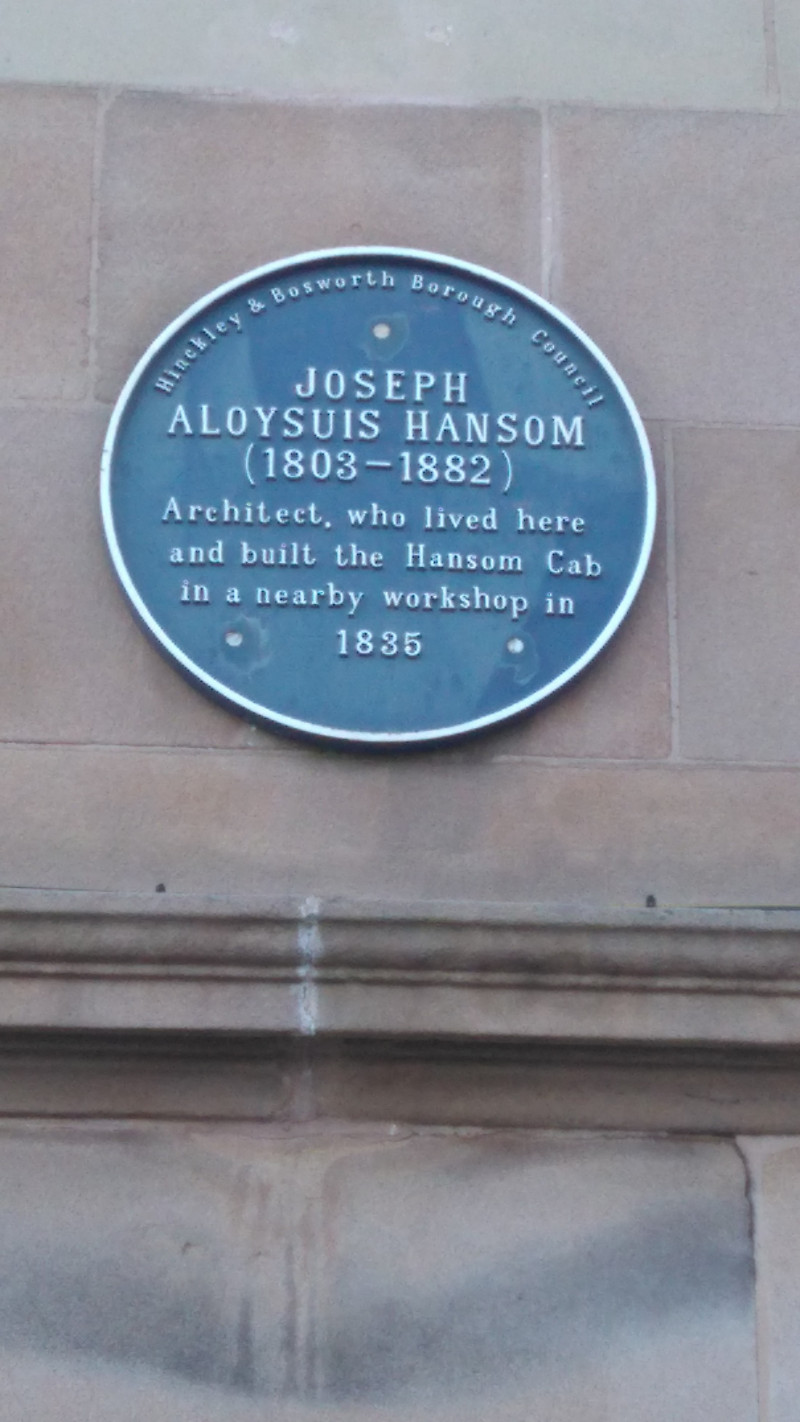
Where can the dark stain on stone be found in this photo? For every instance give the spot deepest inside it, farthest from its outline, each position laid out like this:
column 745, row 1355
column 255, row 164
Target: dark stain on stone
column 528, row 1314
column 516, row 1315
column 244, row 1370
column 111, row 1309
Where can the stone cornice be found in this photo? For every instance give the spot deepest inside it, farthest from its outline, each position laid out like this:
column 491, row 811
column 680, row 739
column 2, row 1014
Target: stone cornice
column 531, row 973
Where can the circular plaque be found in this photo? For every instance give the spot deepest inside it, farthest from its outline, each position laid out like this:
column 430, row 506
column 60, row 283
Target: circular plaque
column 377, row 496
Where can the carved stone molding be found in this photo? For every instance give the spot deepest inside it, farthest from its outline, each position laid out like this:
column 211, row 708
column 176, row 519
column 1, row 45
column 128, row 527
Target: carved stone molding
column 521, row 973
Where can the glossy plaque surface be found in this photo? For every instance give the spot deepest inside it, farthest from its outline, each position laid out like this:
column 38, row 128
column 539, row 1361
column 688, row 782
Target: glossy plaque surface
column 377, row 496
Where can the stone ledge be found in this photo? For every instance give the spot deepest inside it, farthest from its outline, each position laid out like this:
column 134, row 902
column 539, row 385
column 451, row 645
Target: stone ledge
column 531, row 973
column 448, row 1084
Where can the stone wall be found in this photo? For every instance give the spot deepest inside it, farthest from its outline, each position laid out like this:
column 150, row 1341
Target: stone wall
column 461, row 1084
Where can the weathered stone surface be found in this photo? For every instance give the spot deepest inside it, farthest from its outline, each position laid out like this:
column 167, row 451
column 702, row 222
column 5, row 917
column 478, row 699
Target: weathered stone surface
column 74, row 664
column 140, row 1265
column 239, row 184
column 310, row 822
column 698, row 312
column 175, row 1080
column 775, row 1167
column 607, row 1280
column 705, row 55
column 459, row 1085
column 738, row 593
column 46, row 156
column 522, row 941
column 555, row 1089
column 484, row 973
column 226, row 1269
column 787, row 34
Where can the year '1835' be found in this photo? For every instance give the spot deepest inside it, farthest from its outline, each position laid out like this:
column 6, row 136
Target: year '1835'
column 365, row 643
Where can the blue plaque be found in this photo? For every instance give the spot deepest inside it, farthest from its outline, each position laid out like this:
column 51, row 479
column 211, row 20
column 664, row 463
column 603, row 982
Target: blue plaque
column 377, row 497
